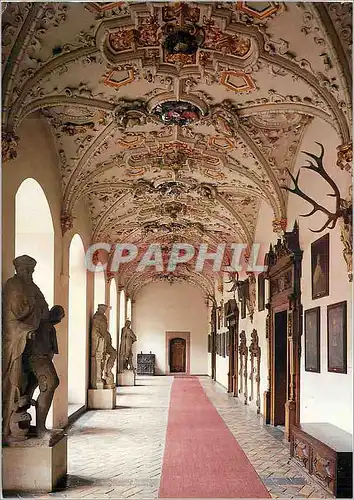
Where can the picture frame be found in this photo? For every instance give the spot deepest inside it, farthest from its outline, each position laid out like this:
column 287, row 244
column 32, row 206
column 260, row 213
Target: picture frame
column 261, row 292
column 320, row 267
column 313, row 340
column 337, row 337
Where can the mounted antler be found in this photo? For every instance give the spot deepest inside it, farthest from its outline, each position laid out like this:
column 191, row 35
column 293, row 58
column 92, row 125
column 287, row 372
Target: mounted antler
column 235, row 282
column 342, row 209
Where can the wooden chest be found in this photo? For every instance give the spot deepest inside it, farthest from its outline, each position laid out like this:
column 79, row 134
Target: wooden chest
column 145, row 364
column 325, row 451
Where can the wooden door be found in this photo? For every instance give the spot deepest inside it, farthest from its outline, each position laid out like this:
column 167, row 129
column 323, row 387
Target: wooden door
column 177, row 355
column 280, row 367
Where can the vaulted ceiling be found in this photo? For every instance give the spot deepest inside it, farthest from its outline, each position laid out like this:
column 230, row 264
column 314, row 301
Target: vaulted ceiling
column 173, row 121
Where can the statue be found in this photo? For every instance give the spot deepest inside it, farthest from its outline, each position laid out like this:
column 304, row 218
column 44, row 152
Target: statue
column 103, row 354
column 128, row 337
column 98, row 340
column 25, row 313
column 110, row 358
column 39, row 368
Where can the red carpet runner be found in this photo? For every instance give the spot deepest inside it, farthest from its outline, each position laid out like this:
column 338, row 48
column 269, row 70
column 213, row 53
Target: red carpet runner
column 202, row 458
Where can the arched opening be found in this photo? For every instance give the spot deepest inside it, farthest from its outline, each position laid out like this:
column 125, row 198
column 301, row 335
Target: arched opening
column 121, row 310
column 99, row 290
column 77, row 331
column 113, row 316
column 34, row 236
column 129, row 309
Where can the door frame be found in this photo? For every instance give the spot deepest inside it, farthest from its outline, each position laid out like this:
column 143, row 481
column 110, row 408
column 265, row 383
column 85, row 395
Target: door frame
column 283, row 262
column 174, row 335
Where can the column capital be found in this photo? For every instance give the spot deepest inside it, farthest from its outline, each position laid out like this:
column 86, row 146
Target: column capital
column 9, row 145
column 279, row 225
column 66, row 222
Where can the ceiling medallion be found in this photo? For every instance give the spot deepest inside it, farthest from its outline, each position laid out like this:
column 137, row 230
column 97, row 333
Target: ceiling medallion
column 181, row 42
column 177, row 112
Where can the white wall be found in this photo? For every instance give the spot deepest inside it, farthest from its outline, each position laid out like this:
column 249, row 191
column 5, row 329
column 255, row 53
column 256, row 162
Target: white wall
column 161, row 307
column 325, row 396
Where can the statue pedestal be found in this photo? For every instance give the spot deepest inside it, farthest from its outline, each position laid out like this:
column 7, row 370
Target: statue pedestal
column 126, row 378
column 34, row 465
column 101, row 399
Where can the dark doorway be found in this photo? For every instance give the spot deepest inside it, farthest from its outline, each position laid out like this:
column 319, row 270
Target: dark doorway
column 280, row 367
column 177, row 355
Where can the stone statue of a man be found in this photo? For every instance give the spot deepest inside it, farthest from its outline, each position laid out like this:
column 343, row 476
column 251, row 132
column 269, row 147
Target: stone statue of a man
column 24, row 312
column 128, row 337
column 39, row 368
column 110, row 358
column 103, row 354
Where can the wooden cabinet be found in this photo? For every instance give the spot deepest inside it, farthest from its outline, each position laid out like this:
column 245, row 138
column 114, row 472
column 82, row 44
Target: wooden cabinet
column 145, row 364
column 326, row 452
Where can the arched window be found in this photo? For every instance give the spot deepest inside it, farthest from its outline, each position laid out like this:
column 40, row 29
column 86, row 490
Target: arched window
column 34, row 236
column 100, row 289
column 77, row 332
column 121, row 310
column 113, row 301
column 129, row 309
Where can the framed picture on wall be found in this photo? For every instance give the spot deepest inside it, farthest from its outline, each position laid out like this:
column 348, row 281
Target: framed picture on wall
column 337, row 337
column 312, row 340
column 261, row 292
column 320, row 267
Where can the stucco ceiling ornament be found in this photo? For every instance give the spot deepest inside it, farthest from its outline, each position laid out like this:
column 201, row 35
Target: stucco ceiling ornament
column 171, row 227
column 9, row 145
column 130, row 114
column 177, row 112
column 279, row 225
column 224, row 118
column 345, row 156
column 66, row 222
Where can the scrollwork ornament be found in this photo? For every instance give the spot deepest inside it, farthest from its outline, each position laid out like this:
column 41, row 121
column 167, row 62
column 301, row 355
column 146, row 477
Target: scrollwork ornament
column 9, row 146
column 345, row 156
column 67, row 222
column 279, row 225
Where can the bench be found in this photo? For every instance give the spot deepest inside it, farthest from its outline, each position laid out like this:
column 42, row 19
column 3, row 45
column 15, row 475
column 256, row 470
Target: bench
column 326, row 452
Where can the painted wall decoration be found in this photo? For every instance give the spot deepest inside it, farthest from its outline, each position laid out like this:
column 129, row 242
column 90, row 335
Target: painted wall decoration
column 312, row 340
column 320, row 267
column 337, row 337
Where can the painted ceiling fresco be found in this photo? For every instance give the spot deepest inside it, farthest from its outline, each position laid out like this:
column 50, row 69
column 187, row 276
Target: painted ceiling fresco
column 173, row 121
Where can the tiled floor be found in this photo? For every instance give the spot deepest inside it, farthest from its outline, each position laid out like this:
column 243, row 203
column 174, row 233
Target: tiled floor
column 118, row 453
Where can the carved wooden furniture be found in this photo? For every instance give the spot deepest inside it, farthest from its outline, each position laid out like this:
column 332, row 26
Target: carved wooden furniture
column 232, row 318
column 326, row 452
column 283, row 263
column 243, row 352
column 255, row 355
column 145, row 364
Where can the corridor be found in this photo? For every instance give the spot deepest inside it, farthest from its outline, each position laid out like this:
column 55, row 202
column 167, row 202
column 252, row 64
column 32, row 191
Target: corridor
column 119, row 453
